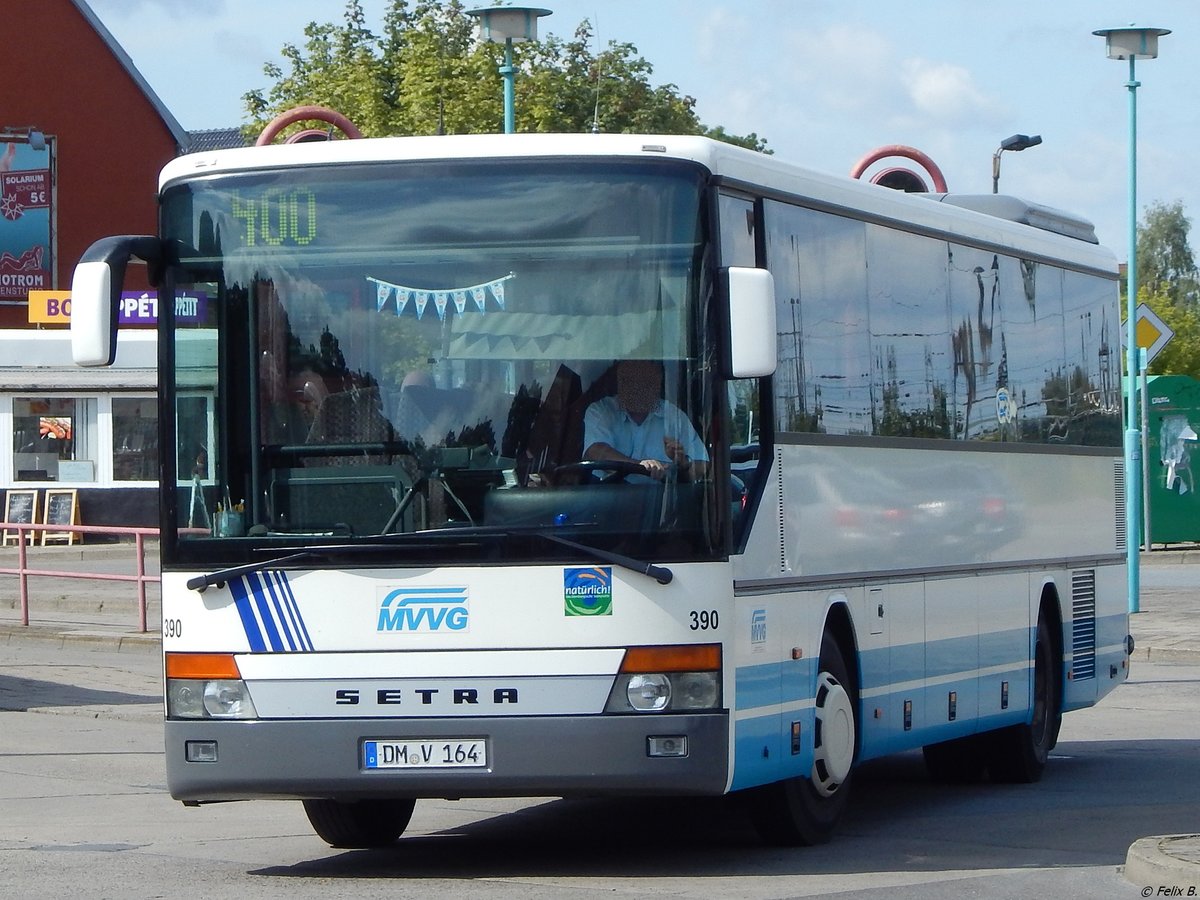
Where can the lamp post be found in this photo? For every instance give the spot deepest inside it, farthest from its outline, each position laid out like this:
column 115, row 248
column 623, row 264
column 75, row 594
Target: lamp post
column 1132, row 43
column 1014, row 143
column 509, row 24
column 24, row 134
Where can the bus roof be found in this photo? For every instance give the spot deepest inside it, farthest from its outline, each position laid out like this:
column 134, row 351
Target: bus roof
column 1001, row 221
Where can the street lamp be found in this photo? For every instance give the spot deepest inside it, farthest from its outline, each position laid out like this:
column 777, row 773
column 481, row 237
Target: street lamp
column 509, row 24
column 25, row 134
column 1014, row 143
column 1131, row 42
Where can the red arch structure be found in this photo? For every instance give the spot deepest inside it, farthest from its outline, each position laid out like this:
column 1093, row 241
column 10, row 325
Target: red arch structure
column 306, row 114
column 922, row 159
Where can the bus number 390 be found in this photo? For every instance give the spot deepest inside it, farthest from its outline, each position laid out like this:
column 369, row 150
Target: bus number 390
column 704, row 619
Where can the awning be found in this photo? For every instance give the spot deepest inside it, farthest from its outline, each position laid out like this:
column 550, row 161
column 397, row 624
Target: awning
column 77, row 378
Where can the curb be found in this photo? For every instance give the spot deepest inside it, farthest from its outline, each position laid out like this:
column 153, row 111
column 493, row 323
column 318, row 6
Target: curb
column 1163, row 862
column 81, row 638
column 1166, row 654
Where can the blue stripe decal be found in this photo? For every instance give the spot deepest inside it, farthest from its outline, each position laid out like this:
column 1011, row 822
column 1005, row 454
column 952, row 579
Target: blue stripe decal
column 293, row 607
column 758, row 685
column 237, row 587
column 264, row 610
column 272, row 597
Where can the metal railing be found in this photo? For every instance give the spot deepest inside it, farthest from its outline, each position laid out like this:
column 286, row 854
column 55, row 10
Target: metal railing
column 28, row 533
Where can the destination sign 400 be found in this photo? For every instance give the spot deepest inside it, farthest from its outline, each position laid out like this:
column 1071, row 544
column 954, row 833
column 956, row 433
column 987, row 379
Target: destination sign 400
column 277, row 217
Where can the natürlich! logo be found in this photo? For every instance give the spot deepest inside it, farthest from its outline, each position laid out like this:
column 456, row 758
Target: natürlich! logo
column 587, row 592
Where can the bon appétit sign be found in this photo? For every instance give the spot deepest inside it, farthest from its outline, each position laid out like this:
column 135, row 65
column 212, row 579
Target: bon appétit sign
column 137, row 307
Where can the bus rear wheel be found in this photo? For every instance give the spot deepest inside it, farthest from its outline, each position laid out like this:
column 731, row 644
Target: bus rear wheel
column 360, row 824
column 805, row 810
column 1018, row 754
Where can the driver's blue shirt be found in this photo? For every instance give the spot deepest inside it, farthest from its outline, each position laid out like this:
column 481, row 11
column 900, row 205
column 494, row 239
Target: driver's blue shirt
column 605, row 422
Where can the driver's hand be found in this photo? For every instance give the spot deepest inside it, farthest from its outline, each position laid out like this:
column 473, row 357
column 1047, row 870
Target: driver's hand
column 655, row 468
column 675, row 451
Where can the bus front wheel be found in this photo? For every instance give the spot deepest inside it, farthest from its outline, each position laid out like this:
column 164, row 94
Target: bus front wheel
column 360, row 824
column 805, row 810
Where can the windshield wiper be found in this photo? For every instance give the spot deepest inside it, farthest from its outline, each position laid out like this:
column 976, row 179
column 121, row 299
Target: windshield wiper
column 661, row 574
column 201, row 583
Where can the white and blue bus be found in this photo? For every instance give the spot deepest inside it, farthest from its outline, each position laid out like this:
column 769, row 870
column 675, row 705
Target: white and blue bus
column 390, row 572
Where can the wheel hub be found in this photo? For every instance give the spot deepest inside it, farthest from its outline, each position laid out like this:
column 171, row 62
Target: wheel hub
column 833, row 754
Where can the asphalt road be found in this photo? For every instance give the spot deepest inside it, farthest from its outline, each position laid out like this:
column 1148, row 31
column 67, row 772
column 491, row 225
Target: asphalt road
column 83, row 812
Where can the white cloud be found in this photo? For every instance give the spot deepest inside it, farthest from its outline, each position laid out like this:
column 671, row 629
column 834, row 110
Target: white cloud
column 945, row 92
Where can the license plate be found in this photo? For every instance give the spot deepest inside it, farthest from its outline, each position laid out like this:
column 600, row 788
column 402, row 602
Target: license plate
column 459, row 753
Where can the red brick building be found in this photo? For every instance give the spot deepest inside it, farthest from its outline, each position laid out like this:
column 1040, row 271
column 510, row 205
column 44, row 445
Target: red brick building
column 82, row 140
column 64, row 75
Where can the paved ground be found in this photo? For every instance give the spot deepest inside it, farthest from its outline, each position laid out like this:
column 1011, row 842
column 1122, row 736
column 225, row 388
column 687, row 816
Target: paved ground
column 106, row 615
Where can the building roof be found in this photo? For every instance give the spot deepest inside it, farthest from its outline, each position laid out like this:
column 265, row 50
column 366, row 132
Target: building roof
column 215, row 139
column 173, row 126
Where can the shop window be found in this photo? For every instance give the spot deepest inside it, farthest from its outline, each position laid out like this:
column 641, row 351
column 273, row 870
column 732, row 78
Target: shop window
column 54, row 439
column 135, row 438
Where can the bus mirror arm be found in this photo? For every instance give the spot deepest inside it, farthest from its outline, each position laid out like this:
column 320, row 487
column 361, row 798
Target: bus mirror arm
column 96, row 293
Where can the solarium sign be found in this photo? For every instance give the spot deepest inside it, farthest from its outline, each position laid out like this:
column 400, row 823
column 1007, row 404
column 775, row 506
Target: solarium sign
column 137, row 307
column 26, row 200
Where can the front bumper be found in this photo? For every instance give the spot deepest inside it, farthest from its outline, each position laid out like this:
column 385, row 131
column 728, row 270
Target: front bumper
column 530, row 756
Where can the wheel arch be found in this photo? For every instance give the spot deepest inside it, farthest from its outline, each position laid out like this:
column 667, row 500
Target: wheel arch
column 1050, row 605
column 840, row 625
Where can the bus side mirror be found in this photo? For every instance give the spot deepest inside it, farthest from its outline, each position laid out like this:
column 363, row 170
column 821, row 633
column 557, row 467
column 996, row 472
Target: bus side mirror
column 750, row 322
column 96, row 294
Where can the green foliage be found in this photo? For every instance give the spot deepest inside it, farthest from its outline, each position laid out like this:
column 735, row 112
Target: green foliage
column 1182, row 355
column 1166, row 265
column 428, row 73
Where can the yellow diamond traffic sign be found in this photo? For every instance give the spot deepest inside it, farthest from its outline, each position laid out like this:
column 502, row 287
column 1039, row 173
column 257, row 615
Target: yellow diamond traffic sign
column 1151, row 332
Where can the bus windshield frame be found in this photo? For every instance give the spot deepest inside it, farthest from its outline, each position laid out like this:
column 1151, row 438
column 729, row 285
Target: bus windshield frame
column 385, row 353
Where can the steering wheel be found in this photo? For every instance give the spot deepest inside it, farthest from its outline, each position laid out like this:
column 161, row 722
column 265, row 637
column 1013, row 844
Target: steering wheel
column 618, row 469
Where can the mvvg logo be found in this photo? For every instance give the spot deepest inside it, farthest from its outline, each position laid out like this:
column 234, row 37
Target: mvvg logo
column 424, row 610
column 758, row 629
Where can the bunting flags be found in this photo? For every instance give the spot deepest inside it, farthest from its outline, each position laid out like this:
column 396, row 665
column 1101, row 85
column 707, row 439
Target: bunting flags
column 420, row 299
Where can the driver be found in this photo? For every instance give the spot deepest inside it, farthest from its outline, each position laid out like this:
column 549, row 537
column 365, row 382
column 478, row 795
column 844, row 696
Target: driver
column 638, row 426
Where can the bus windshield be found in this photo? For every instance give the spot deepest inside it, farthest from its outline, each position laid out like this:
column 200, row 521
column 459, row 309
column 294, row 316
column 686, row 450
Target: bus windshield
column 383, row 352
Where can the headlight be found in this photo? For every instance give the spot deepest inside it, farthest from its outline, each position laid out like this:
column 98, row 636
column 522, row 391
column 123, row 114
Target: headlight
column 189, row 698
column 648, row 693
column 228, row 700
column 665, row 692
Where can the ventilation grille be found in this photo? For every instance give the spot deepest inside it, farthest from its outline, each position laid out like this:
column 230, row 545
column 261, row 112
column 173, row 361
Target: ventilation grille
column 1119, row 494
column 1083, row 624
column 783, row 563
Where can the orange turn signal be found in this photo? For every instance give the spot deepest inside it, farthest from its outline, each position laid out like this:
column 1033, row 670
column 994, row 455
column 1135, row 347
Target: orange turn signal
column 202, row 665
column 676, row 658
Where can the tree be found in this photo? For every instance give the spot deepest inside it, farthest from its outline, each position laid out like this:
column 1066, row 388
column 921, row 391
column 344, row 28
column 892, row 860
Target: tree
column 1166, row 265
column 428, row 73
column 1182, row 355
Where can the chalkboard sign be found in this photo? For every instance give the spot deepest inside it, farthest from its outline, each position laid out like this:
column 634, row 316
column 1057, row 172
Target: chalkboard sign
column 61, row 509
column 20, row 508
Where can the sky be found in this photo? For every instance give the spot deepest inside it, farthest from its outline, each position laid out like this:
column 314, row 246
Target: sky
column 824, row 82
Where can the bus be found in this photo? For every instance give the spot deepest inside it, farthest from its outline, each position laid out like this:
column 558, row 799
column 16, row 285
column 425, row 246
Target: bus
column 392, row 571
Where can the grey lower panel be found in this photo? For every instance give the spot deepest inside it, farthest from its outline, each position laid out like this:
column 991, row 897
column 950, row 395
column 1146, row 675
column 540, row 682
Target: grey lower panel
column 528, row 757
